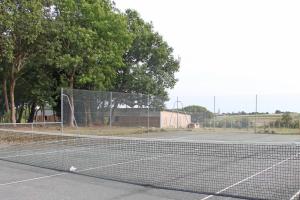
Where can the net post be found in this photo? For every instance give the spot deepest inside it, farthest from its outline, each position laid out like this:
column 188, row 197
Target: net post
column 110, row 111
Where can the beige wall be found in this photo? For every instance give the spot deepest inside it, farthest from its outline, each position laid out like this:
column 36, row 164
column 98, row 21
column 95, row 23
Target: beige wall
column 165, row 119
column 169, row 120
column 131, row 121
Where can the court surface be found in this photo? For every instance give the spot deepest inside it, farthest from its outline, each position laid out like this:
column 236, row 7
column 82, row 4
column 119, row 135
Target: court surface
column 19, row 181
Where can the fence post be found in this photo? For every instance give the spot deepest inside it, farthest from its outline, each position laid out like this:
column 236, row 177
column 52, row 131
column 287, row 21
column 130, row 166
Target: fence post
column 62, row 110
column 148, row 114
column 255, row 117
column 110, row 110
column 214, row 112
column 177, row 112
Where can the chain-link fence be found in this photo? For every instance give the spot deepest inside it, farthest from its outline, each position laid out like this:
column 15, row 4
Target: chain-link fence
column 106, row 111
column 251, row 113
column 114, row 113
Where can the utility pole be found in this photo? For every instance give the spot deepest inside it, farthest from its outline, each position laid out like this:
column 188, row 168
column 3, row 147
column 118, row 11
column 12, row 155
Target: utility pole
column 148, row 117
column 177, row 111
column 255, row 117
column 214, row 112
column 110, row 110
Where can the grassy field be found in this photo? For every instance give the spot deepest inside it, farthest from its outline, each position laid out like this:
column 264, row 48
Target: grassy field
column 259, row 130
column 114, row 131
column 24, row 134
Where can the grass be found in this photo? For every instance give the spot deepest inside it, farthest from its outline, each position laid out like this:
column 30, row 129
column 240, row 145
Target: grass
column 10, row 137
column 280, row 131
column 107, row 131
column 259, row 130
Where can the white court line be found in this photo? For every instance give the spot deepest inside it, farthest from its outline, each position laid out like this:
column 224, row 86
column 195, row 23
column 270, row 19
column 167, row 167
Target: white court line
column 177, row 138
column 81, row 149
column 237, row 183
column 115, row 164
column 295, row 195
column 88, row 169
column 74, row 149
column 31, row 179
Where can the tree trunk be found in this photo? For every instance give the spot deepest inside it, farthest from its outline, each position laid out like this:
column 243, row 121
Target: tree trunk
column 43, row 113
column 31, row 114
column 36, row 114
column 4, row 91
column 101, row 114
column 114, row 107
column 20, row 115
column 89, row 114
column 85, row 120
column 71, row 113
column 12, row 99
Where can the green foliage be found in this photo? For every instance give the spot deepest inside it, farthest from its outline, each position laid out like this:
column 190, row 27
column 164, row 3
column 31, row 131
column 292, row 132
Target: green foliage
column 286, row 118
column 287, row 121
column 20, row 28
column 149, row 63
column 21, row 25
column 2, row 108
column 84, row 44
column 198, row 113
column 92, row 39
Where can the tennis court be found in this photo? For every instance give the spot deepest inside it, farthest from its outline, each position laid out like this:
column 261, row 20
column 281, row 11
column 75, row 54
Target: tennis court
column 177, row 165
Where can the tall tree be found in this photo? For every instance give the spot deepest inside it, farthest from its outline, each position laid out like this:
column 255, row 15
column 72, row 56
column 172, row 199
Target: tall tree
column 93, row 38
column 198, row 113
column 3, row 79
column 3, row 60
column 85, row 44
column 21, row 24
column 150, row 65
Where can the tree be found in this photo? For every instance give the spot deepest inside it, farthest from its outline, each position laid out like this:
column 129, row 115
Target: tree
column 3, row 82
column 93, row 39
column 21, row 24
column 149, row 63
column 84, row 44
column 286, row 119
column 198, row 113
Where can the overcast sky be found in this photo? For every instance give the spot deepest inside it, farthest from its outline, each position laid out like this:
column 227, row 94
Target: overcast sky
column 233, row 49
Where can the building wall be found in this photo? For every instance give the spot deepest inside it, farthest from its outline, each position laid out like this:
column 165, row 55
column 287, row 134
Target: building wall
column 169, row 120
column 138, row 121
column 165, row 119
column 48, row 118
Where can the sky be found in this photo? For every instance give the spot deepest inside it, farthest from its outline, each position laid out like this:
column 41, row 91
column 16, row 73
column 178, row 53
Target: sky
column 231, row 49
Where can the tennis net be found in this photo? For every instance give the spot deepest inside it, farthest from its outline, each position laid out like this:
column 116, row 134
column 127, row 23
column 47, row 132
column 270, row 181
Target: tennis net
column 215, row 169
